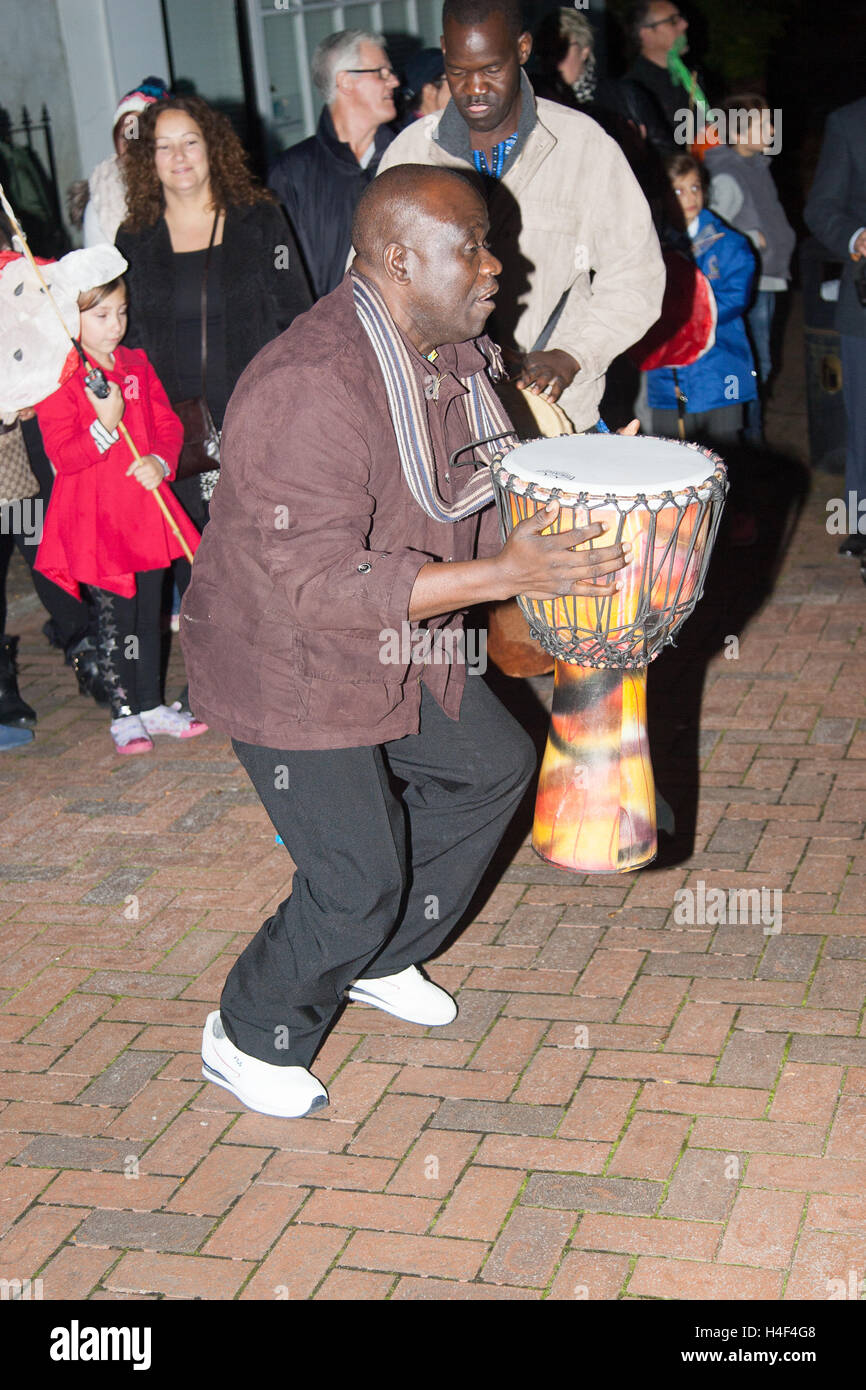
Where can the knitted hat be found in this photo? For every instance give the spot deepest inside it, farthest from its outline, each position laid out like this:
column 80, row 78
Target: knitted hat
column 145, row 94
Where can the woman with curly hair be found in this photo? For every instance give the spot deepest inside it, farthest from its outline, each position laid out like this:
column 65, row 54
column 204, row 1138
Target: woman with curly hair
column 196, row 215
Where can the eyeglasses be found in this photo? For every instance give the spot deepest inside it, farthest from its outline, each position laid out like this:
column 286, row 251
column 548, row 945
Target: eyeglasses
column 384, row 73
column 671, row 19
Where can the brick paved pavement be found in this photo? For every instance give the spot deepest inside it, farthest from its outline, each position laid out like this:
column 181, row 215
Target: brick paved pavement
column 628, row 1106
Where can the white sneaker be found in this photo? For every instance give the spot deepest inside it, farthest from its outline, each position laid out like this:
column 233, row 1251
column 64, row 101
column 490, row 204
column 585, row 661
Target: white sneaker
column 409, row 995
column 288, row 1092
column 130, row 735
column 165, row 719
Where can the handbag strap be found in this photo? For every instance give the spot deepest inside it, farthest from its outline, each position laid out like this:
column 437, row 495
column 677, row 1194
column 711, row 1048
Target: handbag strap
column 204, row 307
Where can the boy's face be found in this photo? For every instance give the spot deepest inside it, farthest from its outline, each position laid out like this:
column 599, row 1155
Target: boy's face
column 103, row 326
column 687, row 197
column 755, row 132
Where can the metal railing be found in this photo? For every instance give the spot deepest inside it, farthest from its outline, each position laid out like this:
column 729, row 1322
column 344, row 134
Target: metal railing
column 28, row 128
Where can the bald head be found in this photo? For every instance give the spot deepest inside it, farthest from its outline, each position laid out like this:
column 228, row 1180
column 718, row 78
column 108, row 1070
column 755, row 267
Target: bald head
column 394, row 204
column 420, row 235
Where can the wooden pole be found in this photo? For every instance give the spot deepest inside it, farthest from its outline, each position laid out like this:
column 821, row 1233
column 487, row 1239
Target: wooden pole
column 155, row 493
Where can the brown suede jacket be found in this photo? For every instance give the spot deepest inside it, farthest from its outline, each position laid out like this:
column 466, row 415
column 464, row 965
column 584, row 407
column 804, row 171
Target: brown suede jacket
column 315, row 542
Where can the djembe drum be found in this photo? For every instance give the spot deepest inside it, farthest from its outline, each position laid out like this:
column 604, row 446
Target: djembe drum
column 595, row 810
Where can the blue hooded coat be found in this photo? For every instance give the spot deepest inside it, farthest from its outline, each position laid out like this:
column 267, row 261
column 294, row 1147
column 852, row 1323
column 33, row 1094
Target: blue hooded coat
column 726, row 374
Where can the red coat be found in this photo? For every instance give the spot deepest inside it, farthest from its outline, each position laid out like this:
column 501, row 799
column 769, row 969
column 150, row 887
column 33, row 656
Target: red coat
column 101, row 526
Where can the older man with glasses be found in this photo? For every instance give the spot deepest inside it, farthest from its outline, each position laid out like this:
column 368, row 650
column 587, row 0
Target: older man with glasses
column 320, row 180
column 654, row 28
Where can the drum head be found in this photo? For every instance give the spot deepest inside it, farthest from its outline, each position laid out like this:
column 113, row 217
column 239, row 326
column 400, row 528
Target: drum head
column 622, row 465
column 533, row 415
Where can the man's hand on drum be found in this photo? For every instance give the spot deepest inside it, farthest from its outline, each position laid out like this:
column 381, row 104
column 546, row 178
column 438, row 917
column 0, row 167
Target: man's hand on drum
column 545, row 567
column 546, row 373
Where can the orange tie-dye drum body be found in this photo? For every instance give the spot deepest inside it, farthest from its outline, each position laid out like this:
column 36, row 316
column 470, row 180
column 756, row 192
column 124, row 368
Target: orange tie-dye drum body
column 595, row 810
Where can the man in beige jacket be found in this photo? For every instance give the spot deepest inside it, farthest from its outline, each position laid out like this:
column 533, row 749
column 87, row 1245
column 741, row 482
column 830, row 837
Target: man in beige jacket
column 583, row 275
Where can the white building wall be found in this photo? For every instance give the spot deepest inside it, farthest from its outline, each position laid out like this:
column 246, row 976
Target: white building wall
column 111, row 45
column 79, row 57
column 33, row 70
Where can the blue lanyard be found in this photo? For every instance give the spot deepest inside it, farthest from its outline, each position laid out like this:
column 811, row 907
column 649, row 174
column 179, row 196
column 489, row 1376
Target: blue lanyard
column 500, row 154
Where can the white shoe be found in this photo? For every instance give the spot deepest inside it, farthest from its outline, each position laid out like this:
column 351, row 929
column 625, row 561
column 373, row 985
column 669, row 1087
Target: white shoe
column 408, row 995
column 288, row 1092
column 130, row 735
column 165, row 719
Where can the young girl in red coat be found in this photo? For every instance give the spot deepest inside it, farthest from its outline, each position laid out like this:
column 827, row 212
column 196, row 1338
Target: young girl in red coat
column 101, row 528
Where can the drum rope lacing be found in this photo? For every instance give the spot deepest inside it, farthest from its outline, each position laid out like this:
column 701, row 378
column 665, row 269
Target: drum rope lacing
column 657, row 617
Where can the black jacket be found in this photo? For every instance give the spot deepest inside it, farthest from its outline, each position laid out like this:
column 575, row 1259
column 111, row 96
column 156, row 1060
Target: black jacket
column 262, row 294
column 658, row 101
column 836, row 207
column 620, row 108
column 319, row 182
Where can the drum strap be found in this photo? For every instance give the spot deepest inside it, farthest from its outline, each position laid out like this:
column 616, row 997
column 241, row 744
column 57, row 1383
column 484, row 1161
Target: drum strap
column 406, row 406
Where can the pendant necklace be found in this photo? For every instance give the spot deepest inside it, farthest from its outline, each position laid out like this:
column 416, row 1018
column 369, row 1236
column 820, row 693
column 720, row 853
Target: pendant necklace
column 431, row 383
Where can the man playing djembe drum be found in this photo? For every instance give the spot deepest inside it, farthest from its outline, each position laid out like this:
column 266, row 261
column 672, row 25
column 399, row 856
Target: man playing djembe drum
column 339, row 519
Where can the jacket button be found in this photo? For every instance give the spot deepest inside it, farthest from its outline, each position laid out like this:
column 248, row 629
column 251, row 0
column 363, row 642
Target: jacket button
column 364, row 569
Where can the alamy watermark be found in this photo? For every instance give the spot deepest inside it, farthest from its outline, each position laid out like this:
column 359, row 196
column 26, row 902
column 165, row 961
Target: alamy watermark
column 77, row 1343
column 15, row 1289
column 442, row 646
column 728, row 127
column 23, row 518
column 846, row 516
column 712, row 907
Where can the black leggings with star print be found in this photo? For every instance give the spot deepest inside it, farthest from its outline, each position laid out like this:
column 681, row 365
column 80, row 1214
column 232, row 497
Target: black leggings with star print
column 130, row 645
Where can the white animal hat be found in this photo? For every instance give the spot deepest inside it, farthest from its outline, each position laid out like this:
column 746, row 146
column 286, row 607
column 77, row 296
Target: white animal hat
column 34, row 350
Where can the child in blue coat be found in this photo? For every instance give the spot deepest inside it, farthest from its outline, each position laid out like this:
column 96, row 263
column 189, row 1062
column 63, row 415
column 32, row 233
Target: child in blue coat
column 719, row 384
column 710, row 396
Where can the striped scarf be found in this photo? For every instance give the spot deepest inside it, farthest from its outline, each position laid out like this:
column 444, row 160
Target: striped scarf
column 406, row 407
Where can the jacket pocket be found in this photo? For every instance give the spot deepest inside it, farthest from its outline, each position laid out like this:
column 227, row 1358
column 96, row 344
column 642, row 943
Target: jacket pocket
column 355, row 658
column 352, row 680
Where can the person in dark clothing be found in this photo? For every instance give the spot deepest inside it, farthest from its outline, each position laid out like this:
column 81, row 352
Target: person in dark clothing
column 320, row 180
column 346, row 421
column 655, row 26
column 564, row 68
column 186, row 172
column 565, row 72
column 425, row 90
column 835, row 213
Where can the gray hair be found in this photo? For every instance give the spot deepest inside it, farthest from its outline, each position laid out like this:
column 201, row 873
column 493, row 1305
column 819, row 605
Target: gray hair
column 576, row 27
column 337, row 53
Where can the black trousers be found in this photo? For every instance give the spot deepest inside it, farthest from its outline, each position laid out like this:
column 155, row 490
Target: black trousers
column 71, row 617
column 129, row 643
column 854, row 391
column 188, row 493
column 716, row 428
column 382, row 877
